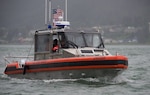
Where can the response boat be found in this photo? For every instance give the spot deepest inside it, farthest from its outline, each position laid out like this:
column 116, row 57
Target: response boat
column 78, row 54
column 62, row 53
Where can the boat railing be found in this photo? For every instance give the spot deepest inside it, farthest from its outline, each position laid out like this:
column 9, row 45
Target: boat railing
column 10, row 59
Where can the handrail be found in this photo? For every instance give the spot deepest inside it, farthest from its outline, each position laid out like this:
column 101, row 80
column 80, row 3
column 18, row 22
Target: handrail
column 6, row 58
column 18, row 56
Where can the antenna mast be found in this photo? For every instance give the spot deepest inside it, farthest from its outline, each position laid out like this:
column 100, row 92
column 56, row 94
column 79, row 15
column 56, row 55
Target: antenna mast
column 48, row 11
column 66, row 6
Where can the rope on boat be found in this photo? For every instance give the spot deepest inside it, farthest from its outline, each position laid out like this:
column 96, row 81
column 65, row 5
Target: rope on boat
column 28, row 56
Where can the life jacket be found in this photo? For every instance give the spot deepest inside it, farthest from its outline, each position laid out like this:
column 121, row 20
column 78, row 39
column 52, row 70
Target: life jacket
column 55, row 48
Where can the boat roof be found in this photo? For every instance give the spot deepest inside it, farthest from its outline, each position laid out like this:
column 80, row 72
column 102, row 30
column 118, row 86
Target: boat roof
column 53, row 31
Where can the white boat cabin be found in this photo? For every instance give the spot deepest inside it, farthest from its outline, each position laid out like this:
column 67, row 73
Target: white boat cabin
column 51, row 44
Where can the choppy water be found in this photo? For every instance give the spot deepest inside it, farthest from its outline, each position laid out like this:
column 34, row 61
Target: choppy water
column 134, row 81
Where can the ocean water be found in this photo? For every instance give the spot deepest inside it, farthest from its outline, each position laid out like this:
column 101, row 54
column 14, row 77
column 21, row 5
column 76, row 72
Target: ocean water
column 134, row 81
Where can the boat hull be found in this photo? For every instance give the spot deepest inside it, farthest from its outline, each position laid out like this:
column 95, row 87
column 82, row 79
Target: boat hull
column 66, row 68
column 72, row 74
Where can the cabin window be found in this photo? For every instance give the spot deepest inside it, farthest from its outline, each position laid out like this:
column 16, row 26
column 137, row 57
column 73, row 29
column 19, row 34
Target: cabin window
column 92, row 39
column 63, row 40
column 84, row 39
column 75, row 38
column 96, row 40
column 79, row 39
column 55, row 37
column 42, row 43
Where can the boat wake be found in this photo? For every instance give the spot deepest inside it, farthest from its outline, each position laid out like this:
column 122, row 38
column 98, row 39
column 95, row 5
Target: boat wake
column 3, row 77
column 59, row 80
column 92, row 81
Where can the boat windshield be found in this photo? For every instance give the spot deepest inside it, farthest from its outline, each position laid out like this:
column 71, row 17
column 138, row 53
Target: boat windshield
column 84, row 39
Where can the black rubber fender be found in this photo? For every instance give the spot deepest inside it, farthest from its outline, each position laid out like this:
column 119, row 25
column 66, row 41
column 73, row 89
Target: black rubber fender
column 24, row 69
